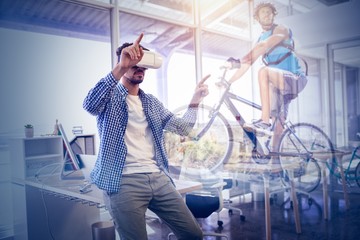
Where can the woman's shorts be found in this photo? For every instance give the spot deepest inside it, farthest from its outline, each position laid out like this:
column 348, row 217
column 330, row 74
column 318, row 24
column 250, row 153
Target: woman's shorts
column 280, row 99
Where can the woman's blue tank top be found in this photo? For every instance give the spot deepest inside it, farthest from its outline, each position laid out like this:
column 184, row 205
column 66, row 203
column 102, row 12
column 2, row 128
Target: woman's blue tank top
column 290, row 63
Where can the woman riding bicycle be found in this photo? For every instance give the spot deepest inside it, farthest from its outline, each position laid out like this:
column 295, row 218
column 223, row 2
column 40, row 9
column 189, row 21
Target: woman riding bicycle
column 281, row 79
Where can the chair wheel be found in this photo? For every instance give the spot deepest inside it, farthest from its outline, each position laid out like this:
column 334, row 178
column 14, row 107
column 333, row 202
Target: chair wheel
column 220, row 223
column 230, row 212
column 242, row 218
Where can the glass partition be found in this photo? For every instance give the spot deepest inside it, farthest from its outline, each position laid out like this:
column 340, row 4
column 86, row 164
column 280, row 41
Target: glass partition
column 345, row 91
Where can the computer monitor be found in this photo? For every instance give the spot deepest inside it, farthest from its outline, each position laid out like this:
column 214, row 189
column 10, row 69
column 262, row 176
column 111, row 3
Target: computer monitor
column 72, row 163
column 83, row 144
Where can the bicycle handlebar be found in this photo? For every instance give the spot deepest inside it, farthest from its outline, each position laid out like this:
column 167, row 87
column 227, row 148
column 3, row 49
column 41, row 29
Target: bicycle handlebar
column 231, row 63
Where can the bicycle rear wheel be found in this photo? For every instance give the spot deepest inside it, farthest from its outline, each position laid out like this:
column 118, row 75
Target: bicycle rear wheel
column 208, row 146
column 295, row 143
column 357, row 173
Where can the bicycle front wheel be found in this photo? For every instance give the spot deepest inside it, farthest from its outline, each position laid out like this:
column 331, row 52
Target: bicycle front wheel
column 295, row 144
column 208, row 146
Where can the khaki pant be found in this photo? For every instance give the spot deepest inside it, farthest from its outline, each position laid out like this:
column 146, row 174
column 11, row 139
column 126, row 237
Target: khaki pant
column 154, row 191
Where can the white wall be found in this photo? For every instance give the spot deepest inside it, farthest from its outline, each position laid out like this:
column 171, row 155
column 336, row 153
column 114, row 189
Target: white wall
column 326, row 25
column 45, row 77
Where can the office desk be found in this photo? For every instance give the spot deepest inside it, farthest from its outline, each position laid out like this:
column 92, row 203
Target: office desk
column 265, row 170
column 59, row 205
column 71, row 188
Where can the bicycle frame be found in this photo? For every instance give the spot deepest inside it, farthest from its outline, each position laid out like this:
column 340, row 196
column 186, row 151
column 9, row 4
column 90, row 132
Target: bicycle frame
column 227, row 98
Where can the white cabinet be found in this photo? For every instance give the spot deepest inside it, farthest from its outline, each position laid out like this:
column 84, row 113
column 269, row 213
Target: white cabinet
column 6, row 210
column 30, row 156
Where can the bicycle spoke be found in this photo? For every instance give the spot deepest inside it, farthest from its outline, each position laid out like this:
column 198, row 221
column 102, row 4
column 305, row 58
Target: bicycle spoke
column 208, row 146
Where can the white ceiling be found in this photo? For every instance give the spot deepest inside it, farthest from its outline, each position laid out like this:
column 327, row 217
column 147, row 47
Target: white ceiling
column 168, row 24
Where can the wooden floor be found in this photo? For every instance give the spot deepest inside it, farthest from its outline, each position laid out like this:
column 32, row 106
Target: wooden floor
column 343, row 224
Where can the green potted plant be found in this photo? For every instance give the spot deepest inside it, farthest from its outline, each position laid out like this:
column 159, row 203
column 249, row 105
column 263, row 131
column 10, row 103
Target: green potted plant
column 29, row 131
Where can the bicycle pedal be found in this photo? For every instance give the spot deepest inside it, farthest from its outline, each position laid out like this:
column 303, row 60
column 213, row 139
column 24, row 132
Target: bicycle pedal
column 262, row 161
column 263, row 133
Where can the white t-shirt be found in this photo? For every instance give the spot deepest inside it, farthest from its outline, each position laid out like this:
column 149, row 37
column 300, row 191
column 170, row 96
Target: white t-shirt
column 139, row 140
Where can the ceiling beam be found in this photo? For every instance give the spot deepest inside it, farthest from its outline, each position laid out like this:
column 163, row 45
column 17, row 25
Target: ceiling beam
column 220, row 13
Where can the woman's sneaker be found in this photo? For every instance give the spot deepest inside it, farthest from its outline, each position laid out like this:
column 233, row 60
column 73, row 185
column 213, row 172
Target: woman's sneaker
column 259, row 127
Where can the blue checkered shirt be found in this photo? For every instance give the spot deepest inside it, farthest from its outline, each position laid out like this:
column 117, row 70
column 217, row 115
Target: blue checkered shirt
column 107, row 101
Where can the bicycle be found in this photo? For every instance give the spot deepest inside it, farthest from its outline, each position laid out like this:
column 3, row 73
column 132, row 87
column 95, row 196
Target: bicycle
column 211, row 142
column 351, row 173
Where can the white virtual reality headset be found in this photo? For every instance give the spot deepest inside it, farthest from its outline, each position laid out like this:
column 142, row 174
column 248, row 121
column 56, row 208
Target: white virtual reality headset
column 150, row 59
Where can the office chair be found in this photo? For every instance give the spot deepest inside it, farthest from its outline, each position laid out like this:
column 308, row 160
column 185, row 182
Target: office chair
column 208, row 200
column 230, row 183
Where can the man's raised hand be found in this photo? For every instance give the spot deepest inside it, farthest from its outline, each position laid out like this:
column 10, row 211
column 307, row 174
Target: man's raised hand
column 131, row 55
column 201, row 91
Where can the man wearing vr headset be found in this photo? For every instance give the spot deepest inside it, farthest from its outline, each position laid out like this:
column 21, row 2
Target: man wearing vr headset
column 282, row 78
column 132, row 166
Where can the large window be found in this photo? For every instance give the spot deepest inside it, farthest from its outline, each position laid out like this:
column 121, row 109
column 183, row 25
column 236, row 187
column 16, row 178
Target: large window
column 181, row 79
column 166, row 39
